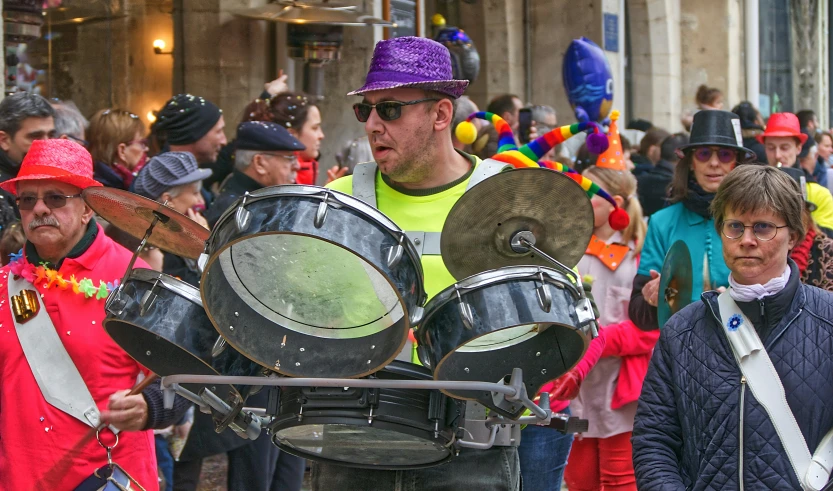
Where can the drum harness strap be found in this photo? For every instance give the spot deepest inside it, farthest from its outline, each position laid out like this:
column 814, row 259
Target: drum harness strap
column 813, row 471
column 55, row 372
column 428, row 243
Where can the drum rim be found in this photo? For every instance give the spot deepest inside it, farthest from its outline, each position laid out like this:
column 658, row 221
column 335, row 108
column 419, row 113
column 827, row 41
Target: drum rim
column 287, row 371
column 401, row 304
column 494, row 277
column 185, row 290
column 436, row 371
column 345, row 199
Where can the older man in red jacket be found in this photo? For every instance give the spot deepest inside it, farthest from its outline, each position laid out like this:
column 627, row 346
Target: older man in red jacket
column 69, row 261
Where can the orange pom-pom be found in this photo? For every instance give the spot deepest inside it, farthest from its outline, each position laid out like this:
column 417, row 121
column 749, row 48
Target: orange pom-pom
column 619, row 219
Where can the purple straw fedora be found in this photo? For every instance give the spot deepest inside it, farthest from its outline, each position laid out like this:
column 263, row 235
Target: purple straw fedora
column 412, row 62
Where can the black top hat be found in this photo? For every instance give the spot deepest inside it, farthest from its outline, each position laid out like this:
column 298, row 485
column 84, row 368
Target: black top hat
column 718, row 128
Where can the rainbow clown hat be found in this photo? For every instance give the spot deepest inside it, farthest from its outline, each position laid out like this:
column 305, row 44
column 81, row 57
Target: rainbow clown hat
column 530, row 154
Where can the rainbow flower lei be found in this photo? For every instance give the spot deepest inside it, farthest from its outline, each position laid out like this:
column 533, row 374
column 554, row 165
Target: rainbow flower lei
column 41, row 275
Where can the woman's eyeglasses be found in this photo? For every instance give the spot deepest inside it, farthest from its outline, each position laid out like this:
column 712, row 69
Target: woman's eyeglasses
column 387, row 110
column 143, row 142
column 724, row 155
column 734, row 229
column 80, row 141
column 51, row 201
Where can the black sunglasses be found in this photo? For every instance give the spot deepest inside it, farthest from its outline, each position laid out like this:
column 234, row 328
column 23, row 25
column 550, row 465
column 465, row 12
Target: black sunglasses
column 51, row 201
column 387, row 110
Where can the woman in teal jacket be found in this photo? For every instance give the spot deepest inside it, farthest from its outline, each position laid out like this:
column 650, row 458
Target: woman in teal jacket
column 715, row 148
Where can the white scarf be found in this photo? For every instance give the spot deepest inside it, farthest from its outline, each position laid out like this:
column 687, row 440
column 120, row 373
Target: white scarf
column 748, row 293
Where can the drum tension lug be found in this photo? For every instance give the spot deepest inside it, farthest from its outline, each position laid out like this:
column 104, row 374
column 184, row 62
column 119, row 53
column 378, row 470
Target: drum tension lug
column 321, row 212
column 242, row 216
column 301, row 414
column 465, row 313
column 544, row 295
column 395, row 253
column 219, row 347
column 115, row 303
column 370, row 416
column 149, row 297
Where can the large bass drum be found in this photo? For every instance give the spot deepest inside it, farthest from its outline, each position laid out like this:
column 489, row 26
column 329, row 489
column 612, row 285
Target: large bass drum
column 486, row 325
column 370, row 428
column 311, row 282
column 160, row 322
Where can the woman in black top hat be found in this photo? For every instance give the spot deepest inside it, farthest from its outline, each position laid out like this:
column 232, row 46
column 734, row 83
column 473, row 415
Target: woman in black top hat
column 715, row 148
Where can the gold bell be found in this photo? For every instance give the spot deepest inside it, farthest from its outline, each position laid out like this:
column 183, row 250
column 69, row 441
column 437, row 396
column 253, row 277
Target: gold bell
column 25, row 305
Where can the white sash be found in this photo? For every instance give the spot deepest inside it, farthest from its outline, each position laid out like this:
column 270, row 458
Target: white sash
column 56, row 374
column 813, row 471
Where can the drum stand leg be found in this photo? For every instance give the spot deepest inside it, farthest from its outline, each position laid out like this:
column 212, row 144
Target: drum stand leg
column 244, row 422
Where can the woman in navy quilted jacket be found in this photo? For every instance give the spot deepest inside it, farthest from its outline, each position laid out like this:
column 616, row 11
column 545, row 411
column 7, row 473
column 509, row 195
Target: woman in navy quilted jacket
column 699, row 424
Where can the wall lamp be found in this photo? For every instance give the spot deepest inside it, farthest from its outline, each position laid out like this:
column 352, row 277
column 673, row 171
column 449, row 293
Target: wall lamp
column 159, row 48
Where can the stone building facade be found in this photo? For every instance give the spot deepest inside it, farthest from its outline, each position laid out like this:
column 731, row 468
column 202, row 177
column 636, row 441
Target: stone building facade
column 772, row 52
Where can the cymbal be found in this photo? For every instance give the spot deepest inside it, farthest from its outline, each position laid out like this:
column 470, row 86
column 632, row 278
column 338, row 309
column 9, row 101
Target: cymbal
column 173, row 232
column 675, row 282
column 547, row 206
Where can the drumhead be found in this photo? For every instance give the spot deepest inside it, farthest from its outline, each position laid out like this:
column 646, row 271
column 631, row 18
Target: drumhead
column 509, row 336
column 311, row 286
column 361, row 445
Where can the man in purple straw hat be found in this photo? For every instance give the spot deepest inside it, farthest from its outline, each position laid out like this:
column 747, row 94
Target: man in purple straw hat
column 407, row 109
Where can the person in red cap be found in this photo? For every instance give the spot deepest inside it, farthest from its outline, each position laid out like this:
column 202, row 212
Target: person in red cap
column 783, row 140
column 71, row 265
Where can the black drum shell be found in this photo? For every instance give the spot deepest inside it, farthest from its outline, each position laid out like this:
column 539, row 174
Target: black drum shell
column 504, row 303
column 175, row 331
column 405, row 411
column 271, row 212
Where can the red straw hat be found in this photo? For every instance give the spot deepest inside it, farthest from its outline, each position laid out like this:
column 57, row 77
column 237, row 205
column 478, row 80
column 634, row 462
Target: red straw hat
column 783, row 124
column 59, row 160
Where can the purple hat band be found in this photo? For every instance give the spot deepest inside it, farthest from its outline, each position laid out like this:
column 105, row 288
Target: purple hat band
column 412, row 62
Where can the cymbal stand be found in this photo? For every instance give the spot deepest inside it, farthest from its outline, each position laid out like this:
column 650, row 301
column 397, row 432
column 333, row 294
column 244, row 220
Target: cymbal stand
column 157, row 217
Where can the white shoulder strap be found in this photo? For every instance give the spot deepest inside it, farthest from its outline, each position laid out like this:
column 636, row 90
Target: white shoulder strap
column 364, row 183
column 56, row 374
column 364, row 178
column 486, row 169
column 813, row 471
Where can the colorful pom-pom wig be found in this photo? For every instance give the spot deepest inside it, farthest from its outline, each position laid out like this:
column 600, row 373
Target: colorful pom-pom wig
column 530, row 154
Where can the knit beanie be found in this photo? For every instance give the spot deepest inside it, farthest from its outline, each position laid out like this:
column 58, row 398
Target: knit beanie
column 186, row 118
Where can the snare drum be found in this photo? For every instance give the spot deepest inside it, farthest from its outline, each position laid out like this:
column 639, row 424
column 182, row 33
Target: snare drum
column 370, row 428
column 311, row 282
column 526, row 317
column 160, row 322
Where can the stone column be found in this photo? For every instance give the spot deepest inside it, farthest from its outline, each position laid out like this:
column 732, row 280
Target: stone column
column 224, row 55
column 805, row 49
column 713, row 49
column 655, row 61
column 496, row 27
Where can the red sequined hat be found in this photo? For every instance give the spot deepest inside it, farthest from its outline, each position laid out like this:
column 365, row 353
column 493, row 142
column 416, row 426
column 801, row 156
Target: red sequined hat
column 59, row 160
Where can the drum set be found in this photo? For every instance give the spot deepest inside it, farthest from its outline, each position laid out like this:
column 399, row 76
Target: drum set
column 315, row 297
